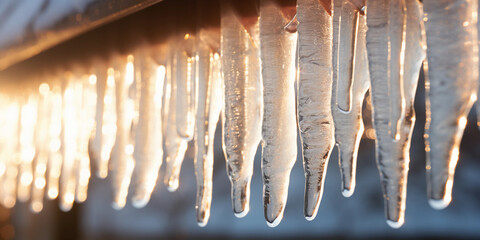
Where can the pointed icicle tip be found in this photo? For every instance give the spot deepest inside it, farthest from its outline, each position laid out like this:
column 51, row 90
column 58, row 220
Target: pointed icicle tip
column 139, row 202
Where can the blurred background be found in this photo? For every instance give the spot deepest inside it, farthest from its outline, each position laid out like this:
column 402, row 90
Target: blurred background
column 172, row 215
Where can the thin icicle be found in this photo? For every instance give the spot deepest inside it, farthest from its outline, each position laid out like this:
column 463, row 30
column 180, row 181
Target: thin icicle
column 55, row 157
column 9, row 137
column 105, row 120
column 394, row 64
column 279, row 133
column 87, row 107
column 349, row 30
column 148, row 142
column 314, row 97
column 203, row 162
column 121, row 157
column 451, row 31
column 28, row 119
column 185, row 87
column 242, row 117
column 42, row 146
column 175, row 146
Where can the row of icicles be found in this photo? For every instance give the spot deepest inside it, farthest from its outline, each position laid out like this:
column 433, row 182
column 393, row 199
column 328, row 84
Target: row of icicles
column 310, row 65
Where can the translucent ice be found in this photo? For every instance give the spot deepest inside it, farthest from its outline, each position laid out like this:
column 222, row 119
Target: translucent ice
column 9, row 142
column 148, row 152
column 395, row 52
column 314, row 94
column 350, row 84
column 175, row 146
column 279, row 130
column 242, row 117
column 209, row 105
column 71, row 105
column 185, row 87
column 451, row 30
column 121, row 156
column 105, row 118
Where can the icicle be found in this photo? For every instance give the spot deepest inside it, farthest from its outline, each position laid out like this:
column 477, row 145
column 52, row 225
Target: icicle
column 175, row 146
column 451, row 89
column 55, row 157
column 72, row 95
column 314, row 94
column 28, row 119
column 9, row 139
column 243, row 113
column 394, row 63
column 87, row 107
column 278, row 46
column 42, row 145
column 105, row 120
column 148, row 140
column 349, row 51
column 185, row 88
column 121, row 156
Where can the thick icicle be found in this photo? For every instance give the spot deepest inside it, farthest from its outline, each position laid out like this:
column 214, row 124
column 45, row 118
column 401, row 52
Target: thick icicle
column 242, row 117
column 148, row 140
column 314, row 97
column 395, row 51
column 121, row 156
column 349, row 50
column 279, row 133
column 185, row 87
column 451, row 89
column 175, row 146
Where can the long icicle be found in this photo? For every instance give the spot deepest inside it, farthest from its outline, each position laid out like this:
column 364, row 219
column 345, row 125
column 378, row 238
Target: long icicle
column 148, row 152
column 242, row 117
column 279, row 133
column 121, row 156
column 349, row 30
column 398, row 59
column 451, row 31
column 175, row 146
column 314, row 94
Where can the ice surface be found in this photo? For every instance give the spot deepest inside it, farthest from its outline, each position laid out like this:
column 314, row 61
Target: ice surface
column 349, row 30
column 10, row 113
column 279, row 130
column 394, row 64
column 242, row 117
column 314, row 97
column 451, row 30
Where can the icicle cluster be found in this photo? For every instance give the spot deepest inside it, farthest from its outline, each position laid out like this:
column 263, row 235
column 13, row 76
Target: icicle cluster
column 266, row 71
